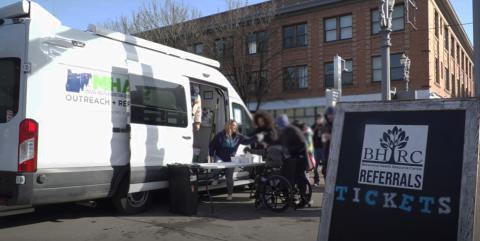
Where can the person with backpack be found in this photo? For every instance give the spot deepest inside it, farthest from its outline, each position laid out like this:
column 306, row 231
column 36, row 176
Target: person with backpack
column 294, row 166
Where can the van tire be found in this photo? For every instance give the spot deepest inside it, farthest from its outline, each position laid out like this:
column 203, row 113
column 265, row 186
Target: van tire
column 131, row 203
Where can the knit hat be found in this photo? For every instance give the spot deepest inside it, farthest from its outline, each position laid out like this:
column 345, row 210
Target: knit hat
column 330, row 111
column 282, row 121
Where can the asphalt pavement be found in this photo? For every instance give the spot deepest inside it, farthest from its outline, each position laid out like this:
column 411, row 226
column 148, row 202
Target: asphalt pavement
column 231, row 221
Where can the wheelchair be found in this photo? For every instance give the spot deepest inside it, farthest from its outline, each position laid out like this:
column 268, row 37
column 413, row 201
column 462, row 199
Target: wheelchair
column 273, row 190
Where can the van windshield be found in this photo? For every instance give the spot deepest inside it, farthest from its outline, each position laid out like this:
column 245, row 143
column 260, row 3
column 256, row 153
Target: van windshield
column 9, row 88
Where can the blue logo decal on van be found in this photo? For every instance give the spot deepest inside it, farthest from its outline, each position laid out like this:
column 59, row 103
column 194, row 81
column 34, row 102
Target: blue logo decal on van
column 77, row 82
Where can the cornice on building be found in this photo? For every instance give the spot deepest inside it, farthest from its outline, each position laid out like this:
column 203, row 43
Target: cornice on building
column 449, row 13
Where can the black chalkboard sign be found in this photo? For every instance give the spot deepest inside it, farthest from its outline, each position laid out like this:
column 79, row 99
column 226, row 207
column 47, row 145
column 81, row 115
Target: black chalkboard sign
column 402, row 171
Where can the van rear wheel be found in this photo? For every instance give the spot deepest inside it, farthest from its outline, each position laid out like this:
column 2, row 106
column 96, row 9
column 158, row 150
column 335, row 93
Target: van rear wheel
column 132, row 203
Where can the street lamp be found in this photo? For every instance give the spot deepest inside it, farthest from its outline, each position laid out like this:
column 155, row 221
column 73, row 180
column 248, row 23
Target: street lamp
column 405, row 62
column 385, row 17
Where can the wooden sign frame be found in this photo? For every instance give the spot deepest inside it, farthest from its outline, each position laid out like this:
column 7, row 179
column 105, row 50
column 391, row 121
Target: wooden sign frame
column 469, row 209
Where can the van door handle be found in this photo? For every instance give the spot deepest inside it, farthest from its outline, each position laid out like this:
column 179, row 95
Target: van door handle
column 187, row 137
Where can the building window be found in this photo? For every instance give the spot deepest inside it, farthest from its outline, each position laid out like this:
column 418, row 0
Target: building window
column 454, row 85
column 377, row 69
column 470, row 70
column 458, row 54
column 447, row 79
column 398, row 19
column 295, row 36
column 295, row 78
column 437, row 28
column 445, row 37
column 257, row 43
column 347, row 74
column 258, row 79
column 223, row 47
column 437, row 71
column 338, row 28
column 396, row 69
column 198, row 48
column 452, row 48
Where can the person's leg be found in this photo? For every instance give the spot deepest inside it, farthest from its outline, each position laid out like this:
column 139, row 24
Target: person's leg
column 318, row 158
column 229, row 180
column 324, row 170
column 288, row 170
column 301, row 176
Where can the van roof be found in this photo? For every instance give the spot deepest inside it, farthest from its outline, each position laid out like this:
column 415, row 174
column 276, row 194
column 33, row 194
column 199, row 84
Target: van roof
column 152, row 46
column 25, row 8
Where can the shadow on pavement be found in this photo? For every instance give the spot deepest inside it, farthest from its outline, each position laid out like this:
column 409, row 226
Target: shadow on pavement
column 240, row 208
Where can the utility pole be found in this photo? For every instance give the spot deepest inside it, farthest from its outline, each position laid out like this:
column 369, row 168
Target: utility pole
column 386, row 11
column 476, row 45
column 334, row 95
column 338, row 67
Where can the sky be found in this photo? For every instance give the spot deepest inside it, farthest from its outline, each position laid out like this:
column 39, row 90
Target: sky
column 80, row 13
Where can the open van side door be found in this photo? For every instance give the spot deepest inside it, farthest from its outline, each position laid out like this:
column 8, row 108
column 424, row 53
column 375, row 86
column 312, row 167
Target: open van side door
column 13, row 45
column 160, row 120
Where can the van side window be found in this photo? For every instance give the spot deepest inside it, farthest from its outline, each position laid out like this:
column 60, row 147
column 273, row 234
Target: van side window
column 241, row 116
column 9, row 88
column 157, row 102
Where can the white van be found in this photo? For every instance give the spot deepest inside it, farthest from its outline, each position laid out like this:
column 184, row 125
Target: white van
column 96, row 114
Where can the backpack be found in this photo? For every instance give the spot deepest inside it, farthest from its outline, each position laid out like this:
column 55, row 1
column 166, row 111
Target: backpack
column 275, row 156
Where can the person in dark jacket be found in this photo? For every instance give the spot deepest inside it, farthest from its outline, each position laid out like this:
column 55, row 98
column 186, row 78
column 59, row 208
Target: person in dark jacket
column 326, row 137
column 295, row 166
column 224, row 146
column 318, row 147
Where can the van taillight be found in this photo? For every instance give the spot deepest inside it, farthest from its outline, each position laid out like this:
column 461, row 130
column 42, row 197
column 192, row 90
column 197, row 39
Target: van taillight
column 27, row 147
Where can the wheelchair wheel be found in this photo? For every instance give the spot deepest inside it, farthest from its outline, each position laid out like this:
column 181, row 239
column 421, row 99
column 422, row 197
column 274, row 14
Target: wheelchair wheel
column 277, row 193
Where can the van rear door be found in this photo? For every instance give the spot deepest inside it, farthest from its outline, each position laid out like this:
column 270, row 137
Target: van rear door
column 12, row 57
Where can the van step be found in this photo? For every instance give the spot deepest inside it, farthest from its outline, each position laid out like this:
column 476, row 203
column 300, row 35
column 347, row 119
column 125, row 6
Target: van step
column 14, row 210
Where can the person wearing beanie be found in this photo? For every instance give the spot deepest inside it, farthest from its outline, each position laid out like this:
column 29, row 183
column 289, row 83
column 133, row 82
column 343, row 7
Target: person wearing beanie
column 282, row 122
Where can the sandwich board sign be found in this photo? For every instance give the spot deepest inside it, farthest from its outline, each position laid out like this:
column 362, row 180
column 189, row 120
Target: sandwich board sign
column 403, row 171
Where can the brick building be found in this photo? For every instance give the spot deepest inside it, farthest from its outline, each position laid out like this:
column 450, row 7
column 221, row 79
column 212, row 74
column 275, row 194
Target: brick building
column 305, row 35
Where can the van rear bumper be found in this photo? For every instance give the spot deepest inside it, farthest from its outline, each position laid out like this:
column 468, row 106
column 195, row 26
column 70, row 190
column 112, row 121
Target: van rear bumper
column 15, row 189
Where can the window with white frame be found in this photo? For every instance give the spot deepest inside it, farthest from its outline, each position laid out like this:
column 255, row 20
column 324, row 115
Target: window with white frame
column 198, row 48
column 295, row 77
column 398, row 19
column 257, row 42
column 347, row 74
column 338, row 28
column 396, row 69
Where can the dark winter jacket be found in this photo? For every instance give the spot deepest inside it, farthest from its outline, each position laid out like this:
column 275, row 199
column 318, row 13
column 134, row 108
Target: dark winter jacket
column 270, row 137
column 293, row 140
column 326, row 129
column 317, row 136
